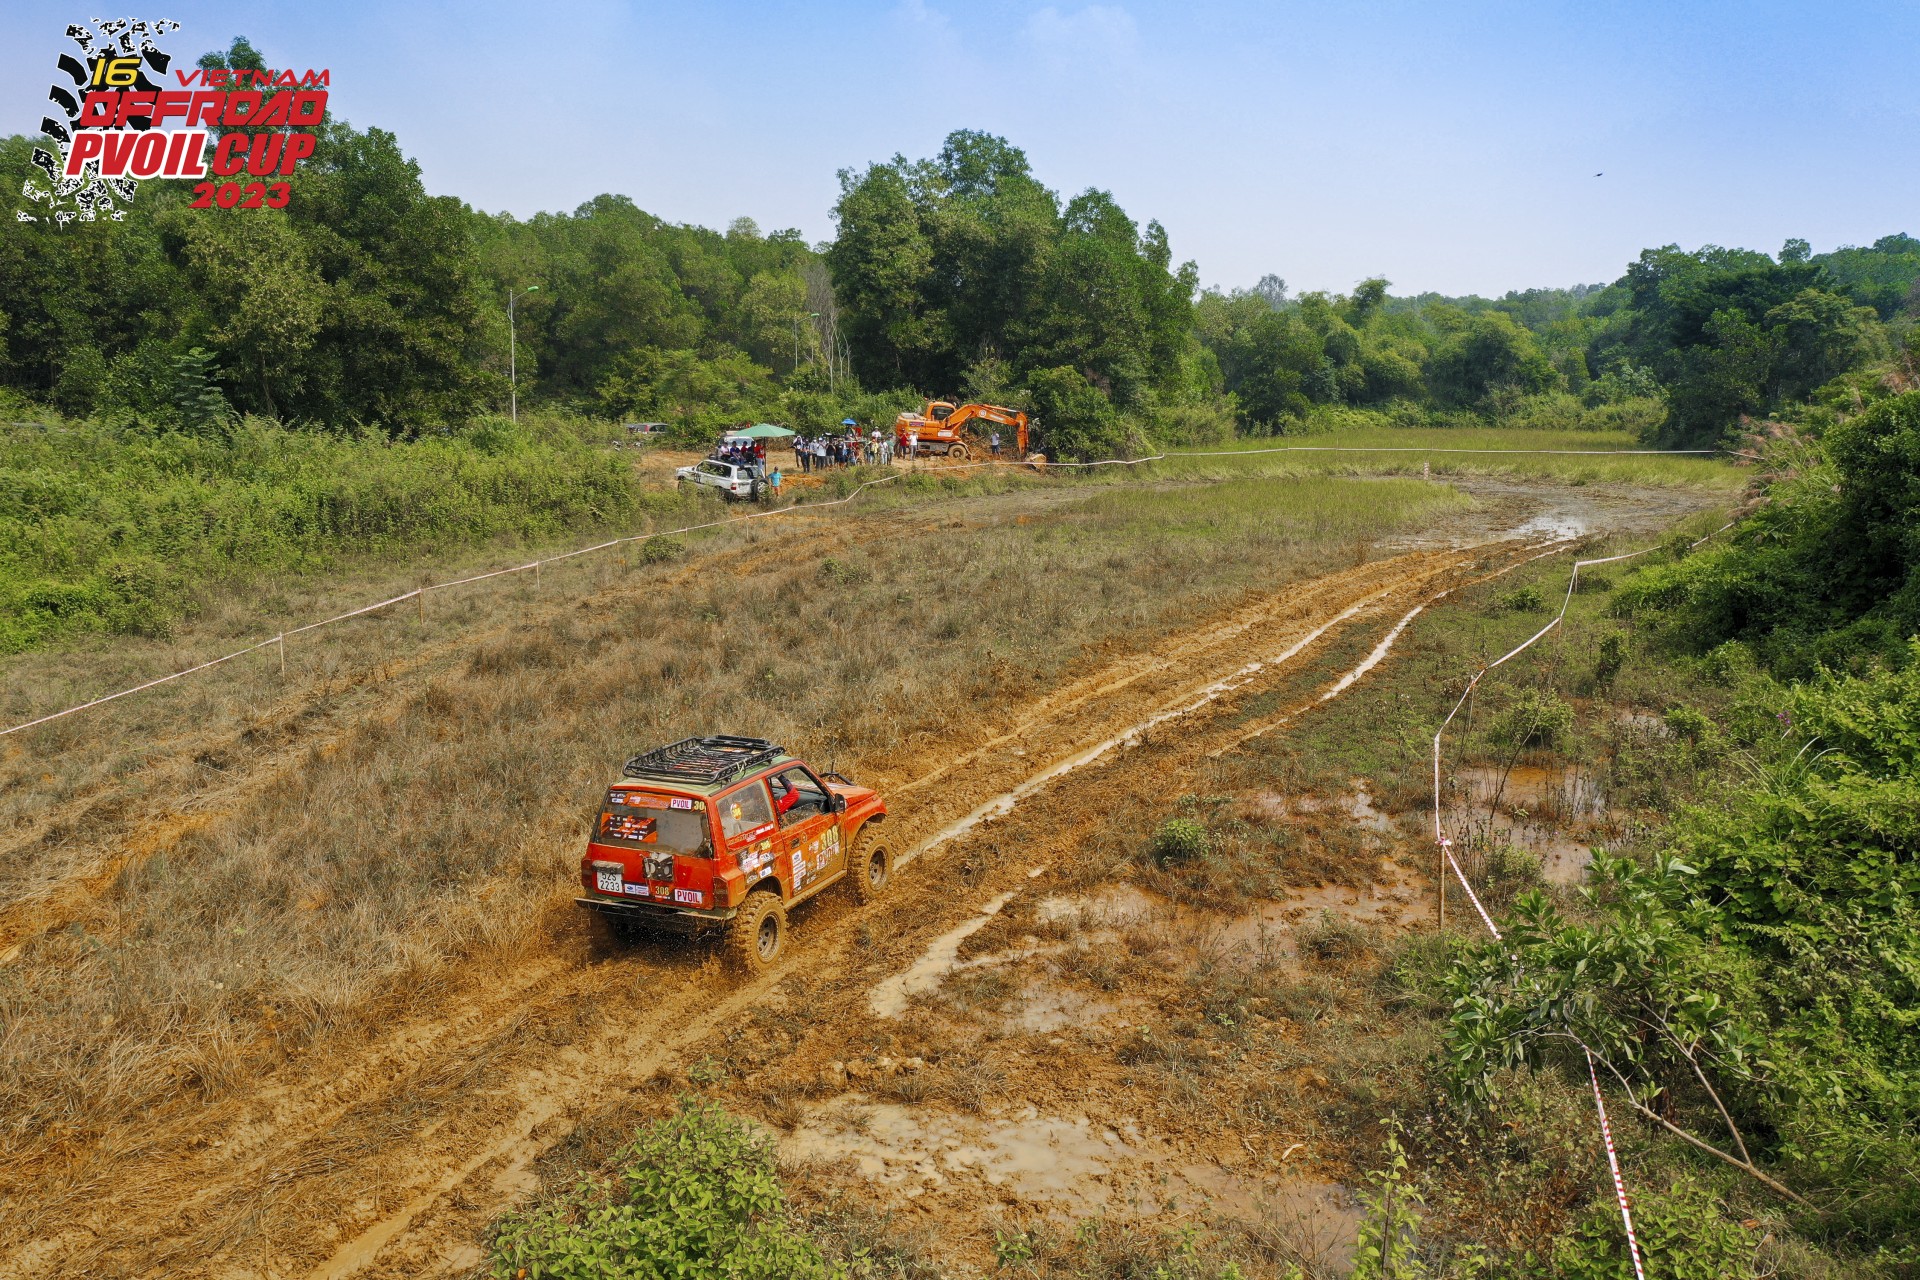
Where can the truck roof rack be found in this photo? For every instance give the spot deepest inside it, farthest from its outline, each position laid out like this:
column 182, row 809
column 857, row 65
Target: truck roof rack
column 703, row 760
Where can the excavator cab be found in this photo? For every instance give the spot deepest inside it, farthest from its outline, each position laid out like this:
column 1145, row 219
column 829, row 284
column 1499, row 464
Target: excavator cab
column 939, row 410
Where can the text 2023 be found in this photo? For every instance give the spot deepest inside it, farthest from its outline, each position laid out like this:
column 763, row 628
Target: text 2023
column 256, row 195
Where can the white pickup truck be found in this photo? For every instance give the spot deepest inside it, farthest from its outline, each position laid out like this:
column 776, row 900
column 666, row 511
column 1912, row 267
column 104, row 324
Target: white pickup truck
column 732, row 480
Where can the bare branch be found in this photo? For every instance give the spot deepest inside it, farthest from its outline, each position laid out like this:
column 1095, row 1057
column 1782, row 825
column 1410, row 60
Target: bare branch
column 1745, row 1166
column 1701, row 1076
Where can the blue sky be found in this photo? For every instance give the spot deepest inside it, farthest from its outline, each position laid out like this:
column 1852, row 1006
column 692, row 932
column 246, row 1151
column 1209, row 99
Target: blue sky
column 1446, row 146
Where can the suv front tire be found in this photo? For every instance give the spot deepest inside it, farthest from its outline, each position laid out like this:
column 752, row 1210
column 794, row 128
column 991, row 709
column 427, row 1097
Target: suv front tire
column 872, row 867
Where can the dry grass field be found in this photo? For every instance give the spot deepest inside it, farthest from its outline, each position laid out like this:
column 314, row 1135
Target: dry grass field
column 291, row 982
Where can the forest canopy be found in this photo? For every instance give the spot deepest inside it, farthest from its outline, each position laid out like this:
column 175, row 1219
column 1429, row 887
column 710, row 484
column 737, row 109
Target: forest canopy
column 370, row 303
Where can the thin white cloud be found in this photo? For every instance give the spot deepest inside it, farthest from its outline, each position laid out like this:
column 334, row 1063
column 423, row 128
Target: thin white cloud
column 1097, row 33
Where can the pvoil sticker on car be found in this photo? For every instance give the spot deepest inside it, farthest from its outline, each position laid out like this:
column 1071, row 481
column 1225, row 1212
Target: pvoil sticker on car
column 692, row 896
column 680, row 802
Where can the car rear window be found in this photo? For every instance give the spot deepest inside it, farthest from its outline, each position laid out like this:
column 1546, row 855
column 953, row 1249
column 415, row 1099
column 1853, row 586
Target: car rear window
column 745, row 810
column 658, row 823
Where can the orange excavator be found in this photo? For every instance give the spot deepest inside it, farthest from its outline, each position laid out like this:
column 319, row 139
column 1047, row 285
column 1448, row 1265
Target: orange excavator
column 942, row 429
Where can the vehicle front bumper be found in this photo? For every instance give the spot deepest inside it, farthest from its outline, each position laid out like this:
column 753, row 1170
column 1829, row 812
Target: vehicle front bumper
column 648, row 915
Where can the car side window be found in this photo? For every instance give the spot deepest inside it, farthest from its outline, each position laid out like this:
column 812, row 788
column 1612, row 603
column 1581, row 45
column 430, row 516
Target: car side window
column 809, row 798
column 745, row 810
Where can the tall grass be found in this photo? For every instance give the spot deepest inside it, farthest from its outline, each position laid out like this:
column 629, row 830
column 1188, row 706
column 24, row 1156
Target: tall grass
column 109, row 531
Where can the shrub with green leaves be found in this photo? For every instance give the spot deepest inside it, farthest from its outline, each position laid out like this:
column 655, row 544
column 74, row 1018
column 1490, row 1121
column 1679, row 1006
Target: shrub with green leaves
column 1180, row 840
column 1523, row 600
column 1769, row 956
column 661, row 550
column 1534, row 718
column 1386, row 1246
column 1690, row 723
column 692, row 1197
column 1683, row 1235
column 1612, row 655
column 1826, row 573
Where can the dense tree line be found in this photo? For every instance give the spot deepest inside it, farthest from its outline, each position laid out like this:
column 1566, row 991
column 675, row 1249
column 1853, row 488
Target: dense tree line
column 1700, row 339
column 370, row 302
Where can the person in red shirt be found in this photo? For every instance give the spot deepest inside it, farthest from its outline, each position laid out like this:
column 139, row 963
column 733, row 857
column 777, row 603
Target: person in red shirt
column 786, row 795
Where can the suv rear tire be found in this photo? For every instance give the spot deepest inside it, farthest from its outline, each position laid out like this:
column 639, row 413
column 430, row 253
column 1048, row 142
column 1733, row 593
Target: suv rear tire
column 872, row 867
column 757, row 933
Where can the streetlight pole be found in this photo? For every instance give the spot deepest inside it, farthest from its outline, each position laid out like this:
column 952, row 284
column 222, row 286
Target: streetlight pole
column 513, row 355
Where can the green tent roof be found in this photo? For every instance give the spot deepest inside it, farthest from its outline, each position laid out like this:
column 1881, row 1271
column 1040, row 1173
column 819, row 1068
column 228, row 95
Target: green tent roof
column 763, row 431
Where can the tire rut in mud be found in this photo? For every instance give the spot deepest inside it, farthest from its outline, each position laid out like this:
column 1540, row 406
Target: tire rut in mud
column 136, row 831
column 409, row 1130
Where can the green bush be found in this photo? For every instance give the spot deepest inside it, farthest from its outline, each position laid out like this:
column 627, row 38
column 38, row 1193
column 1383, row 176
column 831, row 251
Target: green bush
column 1523, row 600
column 1825, row 574
column 1534, row 718
column 692, row 1197
column 1510, row 871
column 661, row 550
column 1683, row 1236
column 1690, row 723
column 1774, row 935
column 1612, row 655
column 1180, row 840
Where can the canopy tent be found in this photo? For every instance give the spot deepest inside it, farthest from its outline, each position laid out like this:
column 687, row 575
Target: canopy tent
column 761, row 431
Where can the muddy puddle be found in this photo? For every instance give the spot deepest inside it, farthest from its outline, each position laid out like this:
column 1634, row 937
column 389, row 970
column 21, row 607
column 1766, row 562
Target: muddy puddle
column 1042, row 1007
column 1358, row 805
column 942, row 957
column 1073, row 1165
column 1099, row 918
column 1570, row 794
column 1558, row 814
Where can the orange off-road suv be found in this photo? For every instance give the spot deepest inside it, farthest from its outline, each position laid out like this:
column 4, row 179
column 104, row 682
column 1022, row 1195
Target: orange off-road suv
column 728, row 833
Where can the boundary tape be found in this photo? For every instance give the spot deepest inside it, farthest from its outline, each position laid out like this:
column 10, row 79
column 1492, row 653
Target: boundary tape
column 419, row 593
column 1446, row 852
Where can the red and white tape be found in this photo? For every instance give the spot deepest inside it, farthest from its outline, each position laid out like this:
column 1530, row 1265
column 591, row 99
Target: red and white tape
column 534, row 565
column 1613, row 1166
column 1446, row 850
column 418, row 592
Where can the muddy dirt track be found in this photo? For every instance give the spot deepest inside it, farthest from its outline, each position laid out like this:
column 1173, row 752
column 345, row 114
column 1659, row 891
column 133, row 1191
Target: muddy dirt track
column 391, row 1159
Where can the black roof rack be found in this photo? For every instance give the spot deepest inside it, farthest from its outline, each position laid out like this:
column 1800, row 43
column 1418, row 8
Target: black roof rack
column 703, row 760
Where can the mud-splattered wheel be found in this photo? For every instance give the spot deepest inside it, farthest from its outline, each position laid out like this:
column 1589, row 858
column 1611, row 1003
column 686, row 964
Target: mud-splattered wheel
column 756, row 934
column 872, row 867
column 957, row 452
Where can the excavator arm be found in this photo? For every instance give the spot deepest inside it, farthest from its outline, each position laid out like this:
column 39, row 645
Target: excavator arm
column 996, row 414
